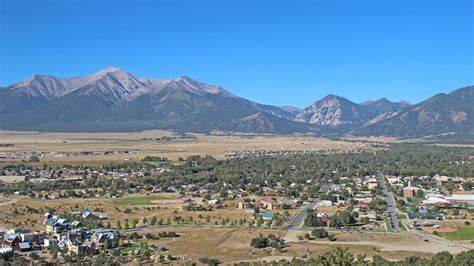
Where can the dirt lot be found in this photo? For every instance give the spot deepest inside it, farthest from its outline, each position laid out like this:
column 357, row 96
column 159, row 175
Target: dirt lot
column 214, row 145
column 443, row 229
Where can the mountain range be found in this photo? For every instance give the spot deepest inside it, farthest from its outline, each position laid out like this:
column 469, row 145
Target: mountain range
column 114, row 100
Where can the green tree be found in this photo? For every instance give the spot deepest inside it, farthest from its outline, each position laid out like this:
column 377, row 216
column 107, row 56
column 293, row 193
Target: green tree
column 442, row 258
column 106, row 244
column 340, row 256
column 319, row 233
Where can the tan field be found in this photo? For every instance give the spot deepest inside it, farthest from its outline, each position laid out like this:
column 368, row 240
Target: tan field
column 232, row 245
column 214, row 145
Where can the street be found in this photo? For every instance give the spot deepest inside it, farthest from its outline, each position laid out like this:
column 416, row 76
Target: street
column 391, row 209
column 293, row 223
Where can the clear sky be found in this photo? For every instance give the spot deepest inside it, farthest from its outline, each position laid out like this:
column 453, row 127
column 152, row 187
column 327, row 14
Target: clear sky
column 273, row 52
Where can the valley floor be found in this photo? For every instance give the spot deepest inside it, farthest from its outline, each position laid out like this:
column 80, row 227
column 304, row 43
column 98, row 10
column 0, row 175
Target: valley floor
column 99, row 148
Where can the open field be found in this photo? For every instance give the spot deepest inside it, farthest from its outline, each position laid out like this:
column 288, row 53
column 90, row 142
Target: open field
column 463, row 233
column 138, row 147
column 231, row 245
column 141, row 200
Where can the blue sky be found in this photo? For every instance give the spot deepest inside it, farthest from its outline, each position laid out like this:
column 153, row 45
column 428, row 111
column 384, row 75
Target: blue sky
column 273, row 52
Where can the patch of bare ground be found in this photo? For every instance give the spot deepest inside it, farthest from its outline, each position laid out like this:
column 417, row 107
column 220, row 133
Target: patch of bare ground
column 226, row 244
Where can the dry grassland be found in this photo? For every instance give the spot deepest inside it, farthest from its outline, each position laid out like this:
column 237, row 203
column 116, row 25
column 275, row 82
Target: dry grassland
column 214, row 145
column 232, row 245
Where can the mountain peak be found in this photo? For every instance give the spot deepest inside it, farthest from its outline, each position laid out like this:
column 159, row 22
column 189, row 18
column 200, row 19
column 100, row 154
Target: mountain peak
column 332, row 96
column 338, row 98
column 332, row 110
column 110, row 69
column 184, row 77
column 194, row 86
column 105, row 71
column 187, row 80
column 383, row 100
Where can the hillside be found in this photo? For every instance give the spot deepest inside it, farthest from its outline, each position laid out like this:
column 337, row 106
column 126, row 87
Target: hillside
column 442, row 113
column 115, row 100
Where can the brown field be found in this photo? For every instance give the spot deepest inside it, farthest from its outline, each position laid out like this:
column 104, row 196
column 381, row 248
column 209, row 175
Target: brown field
column 214, row 145
column 232, row 245
column 439, row 230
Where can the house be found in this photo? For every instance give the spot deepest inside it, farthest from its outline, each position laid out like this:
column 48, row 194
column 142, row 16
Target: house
column 88, row 247
column 325, row 203
column 372, row 183
column 89, row 216
column 243, row 205
column 81, row 211
column 100, row 235
column 50, row 242
column 362, row 203
column 32, row 237
column 393, row 179
column 76, row 225
column 10, row 241
column 270, row 204
column 73, row 245
column 410, row 192
column 288, row 204
column 55, row 225
column 24, row 247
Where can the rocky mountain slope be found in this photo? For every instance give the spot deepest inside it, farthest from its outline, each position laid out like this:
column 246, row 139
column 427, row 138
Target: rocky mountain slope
column 341, row 115
column 440, row 114
column 114, row 100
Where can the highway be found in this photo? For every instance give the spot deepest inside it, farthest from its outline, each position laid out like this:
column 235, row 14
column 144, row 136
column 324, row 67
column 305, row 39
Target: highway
column 298, row 219
column 391, row 207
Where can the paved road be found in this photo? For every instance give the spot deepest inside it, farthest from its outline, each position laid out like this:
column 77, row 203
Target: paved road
column 298, row 219
column 437, row 239
column 391, row 209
